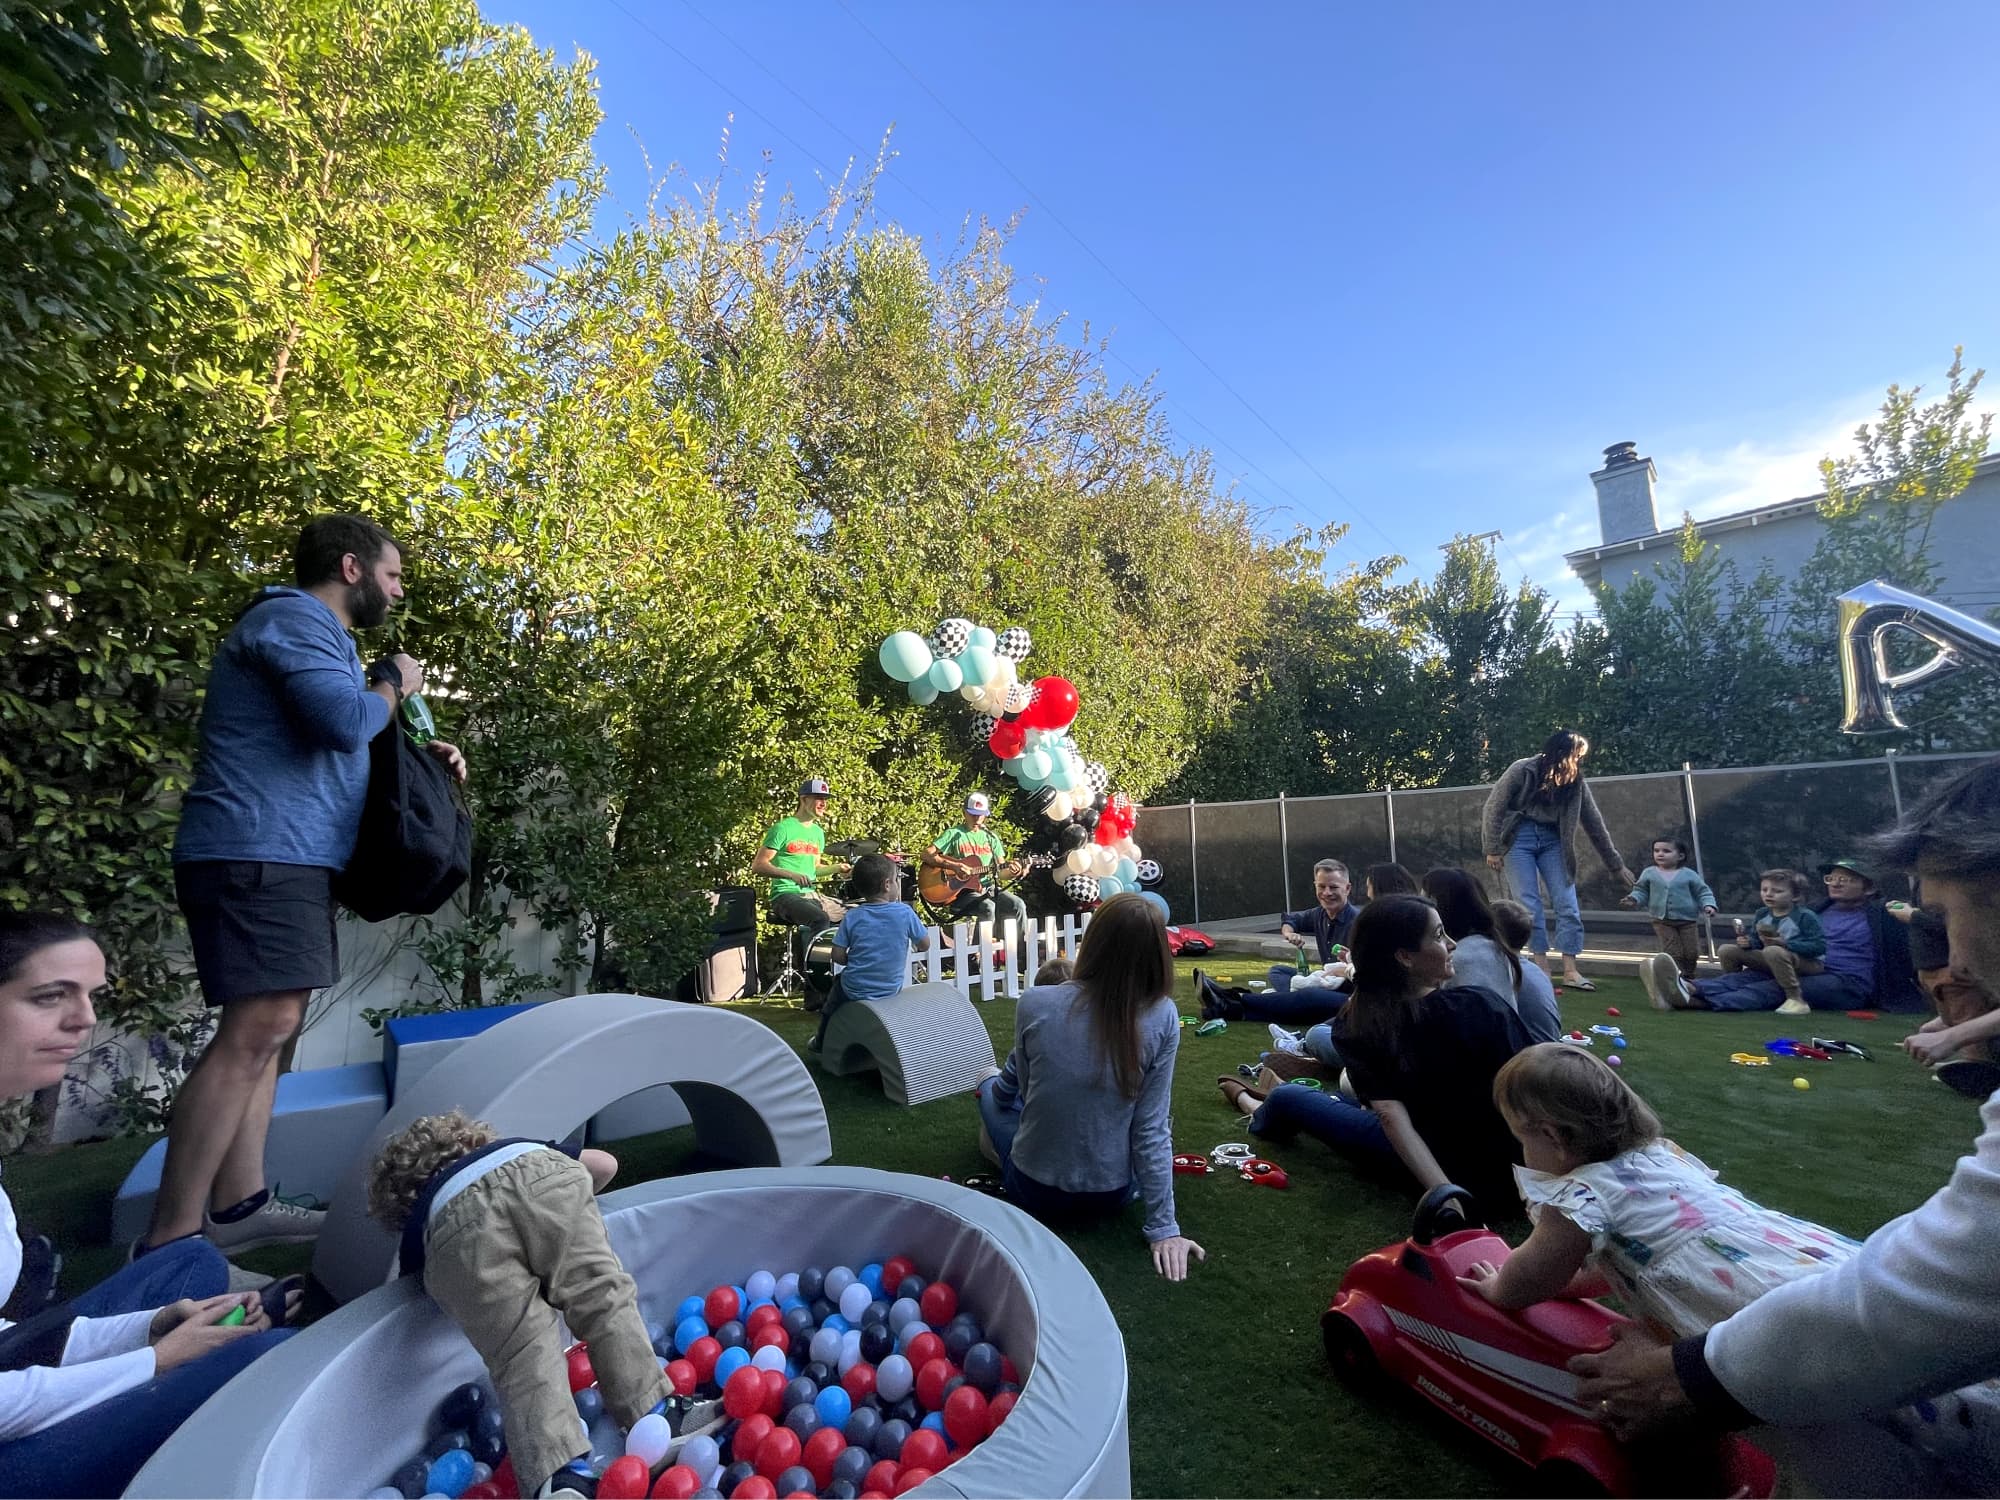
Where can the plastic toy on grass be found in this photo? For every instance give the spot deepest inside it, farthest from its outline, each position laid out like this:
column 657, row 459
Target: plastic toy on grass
column 1191, row 941
column 1264, row 1173
column 1191, row 1166
column 1401, row 1317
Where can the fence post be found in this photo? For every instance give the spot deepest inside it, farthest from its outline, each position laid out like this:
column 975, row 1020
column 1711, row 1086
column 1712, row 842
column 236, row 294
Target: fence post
column 1694, row 841
column 1389, row 811
column 1895, row 784
column 1194, row 866
column 1285, row 849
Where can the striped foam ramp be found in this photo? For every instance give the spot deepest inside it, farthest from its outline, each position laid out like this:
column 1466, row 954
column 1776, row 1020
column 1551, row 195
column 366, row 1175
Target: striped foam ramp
column 926, row 1041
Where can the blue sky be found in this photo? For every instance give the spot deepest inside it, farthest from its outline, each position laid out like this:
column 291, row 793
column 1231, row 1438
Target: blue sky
column 1407, row 267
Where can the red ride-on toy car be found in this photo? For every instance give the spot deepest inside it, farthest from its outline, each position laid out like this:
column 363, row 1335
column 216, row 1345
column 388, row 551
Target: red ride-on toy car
column 1191, row 941
column 1401, row 1315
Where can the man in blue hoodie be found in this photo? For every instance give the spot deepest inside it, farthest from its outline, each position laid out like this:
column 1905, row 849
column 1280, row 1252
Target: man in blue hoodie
column 271, row 818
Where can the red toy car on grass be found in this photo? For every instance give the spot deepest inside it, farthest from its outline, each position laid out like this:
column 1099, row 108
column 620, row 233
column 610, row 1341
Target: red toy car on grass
column 1189, row 940
column 1401, row 1315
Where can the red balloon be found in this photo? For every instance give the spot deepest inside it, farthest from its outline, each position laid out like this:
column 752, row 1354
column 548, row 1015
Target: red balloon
column 770, row 1336
column 702, row 1354
column 859, row 1381
column 1008, row 739
column 895, row 1269
column 503, row 1481
column 624, row 1479
column 761, row 1316
column 965, row 1417
column 882, row 1477
column 924, row 1348
column 580, row 1373
column 821, row 1449
column 939, row 1303
column 677, row 1483
column 998, row 1407
column 930, row 1383
column 908, row 1480
column 743, row 1397
column 720, row 1306
column 756, row 1427
column 778, row 1452
column 1051, row 704
column 925, row 1449
column 683, row 1377
column 774, row 1393
column 754, row 1487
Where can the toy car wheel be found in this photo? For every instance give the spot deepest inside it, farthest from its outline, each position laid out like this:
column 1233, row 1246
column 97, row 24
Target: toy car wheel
column 1566, row 1479
column 1348, row 1349
column 1443, row 1210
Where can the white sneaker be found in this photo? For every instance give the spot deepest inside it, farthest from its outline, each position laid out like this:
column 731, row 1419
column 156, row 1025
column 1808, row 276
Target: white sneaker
column 1662, row 978
column 276, row 1223
column 1795, row 1008
column 1287, row 1041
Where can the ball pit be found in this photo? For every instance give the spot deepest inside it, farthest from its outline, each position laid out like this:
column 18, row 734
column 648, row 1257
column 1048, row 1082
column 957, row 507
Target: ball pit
column 333, row 1410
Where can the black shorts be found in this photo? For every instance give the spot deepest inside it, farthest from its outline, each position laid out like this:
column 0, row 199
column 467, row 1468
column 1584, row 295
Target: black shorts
column 258, row 929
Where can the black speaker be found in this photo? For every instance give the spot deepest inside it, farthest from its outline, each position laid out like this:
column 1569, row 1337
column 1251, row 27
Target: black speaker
column 735, row 908
column 728, row 973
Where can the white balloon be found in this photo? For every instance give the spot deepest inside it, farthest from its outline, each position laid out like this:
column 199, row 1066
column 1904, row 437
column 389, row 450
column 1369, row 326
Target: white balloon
column 972, row 692
column 649, row 1438
column 1059, row 810
column 1078, row 861
column 1103, row 859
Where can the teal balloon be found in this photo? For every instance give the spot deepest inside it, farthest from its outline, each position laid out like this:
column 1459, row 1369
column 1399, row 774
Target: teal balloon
column 1127, row 871
column 1109, row 886
column 945, row 676
column 1059, row 776
column 904, row 656
column 1155, row 899
column 1035, row 765
column 922, row 692
column 985, row 639
column 977, row 663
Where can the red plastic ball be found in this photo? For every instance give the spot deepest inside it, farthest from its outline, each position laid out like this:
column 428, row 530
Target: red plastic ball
column 1007, row 1371
column 895, row 1270
column 761, row 1316
column 681, row 1374
column 801, row 1495
column 743, row 1397
column 486, row 1489
column 778, row 1452
column 997, row 1409
column 930, row 1383
column 939, row 1303
column 925, row 1449
column 624, row 1479
column 771, row 1336
column 821, row 1449
column 774, row 1393
column 965, row 1417
column 702, row 1354
column 882, row 1477
column 720, row 1306
column 581, row 1376
column 859, row 1381
column 743, row 1447
column 503, row 1480
column 909, row 1479
column 677, row 1483
column 754, row 1487
column 924, row 1348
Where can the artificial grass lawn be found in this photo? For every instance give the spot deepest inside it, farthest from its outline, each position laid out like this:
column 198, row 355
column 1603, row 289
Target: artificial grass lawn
column 1230, row 1391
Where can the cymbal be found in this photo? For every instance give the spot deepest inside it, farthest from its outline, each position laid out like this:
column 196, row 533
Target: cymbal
column 854, row 848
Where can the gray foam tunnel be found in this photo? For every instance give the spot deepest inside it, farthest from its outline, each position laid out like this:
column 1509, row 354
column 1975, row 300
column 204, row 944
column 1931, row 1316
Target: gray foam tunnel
column 335, row 1410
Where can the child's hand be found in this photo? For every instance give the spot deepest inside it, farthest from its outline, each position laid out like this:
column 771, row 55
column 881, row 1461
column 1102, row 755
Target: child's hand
column 1482, row 1277
column 1708, row 911
column 1628, row 901
column 602, row 1167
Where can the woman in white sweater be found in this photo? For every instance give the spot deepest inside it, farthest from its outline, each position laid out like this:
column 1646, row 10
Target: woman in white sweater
column 89, row 1388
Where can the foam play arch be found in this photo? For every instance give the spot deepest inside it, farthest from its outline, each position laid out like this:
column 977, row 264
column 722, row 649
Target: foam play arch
column 336, row 1409
column 544, row 1072
column 927, row 1041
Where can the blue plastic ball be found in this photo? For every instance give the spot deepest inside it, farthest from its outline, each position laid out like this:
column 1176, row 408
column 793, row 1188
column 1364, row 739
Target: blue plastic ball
column 731, row 1361
column 794, row 1300
column 687, row 1331
column 451, row 1473
column 691, row 1307
column 837, row 1323
column 589, row 1404
column 834, row 1406
column 870, row 1276
column 1618, row 1042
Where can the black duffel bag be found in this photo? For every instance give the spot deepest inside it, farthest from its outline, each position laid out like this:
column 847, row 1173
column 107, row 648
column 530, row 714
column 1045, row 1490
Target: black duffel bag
column 415, row 846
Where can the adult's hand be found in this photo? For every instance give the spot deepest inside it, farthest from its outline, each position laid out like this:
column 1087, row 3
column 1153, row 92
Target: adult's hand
column 1170, row 1256
column 412, row 672
column 1631, row 1386
column 1931, row 1047
column 1495, row 861
column 197, row 1328
column 1626, row 877
column 451, row 755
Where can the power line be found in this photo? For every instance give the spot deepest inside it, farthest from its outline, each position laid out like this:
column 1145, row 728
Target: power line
column 1106, row 267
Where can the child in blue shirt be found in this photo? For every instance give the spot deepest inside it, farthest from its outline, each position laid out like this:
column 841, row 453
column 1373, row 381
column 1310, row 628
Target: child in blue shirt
column 1676, row 898
column 873, row 940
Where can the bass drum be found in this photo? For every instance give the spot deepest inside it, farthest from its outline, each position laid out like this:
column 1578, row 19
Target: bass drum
column 819, row 968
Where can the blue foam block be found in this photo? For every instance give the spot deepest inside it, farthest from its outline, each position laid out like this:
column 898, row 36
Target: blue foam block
column 413, row 1045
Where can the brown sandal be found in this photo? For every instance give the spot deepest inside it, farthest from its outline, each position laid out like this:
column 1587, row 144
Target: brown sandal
column 1235, row 1088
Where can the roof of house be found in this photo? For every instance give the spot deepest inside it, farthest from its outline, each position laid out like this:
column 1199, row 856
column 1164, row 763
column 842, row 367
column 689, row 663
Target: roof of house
column 1586, row 561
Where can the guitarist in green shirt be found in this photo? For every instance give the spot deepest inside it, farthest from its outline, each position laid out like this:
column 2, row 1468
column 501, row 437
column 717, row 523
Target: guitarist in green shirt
column 791, row 858
column 962, row 864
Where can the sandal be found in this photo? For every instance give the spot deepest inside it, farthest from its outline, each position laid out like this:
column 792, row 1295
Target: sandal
column 276, row 1295
column 1235, row 1088
column 1581, row 983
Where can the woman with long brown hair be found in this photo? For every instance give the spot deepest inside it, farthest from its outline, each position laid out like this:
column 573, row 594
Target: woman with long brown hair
column 1077, row 1120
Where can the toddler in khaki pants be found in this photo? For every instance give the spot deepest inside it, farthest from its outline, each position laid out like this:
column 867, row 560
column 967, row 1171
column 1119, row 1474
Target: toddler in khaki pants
column 507, row 1236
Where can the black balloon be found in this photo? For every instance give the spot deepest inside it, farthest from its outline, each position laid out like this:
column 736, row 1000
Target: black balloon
column 1040, row 798
column 822, row 1309
column 878, row 1312
column 804, row 1420
column 460, row 1408
column 489, row 1437
column 812, row 1281
column 444, row 1442
column 1087, row 820
column 1075, row 836
column 820, row 1374
column 877, row 1343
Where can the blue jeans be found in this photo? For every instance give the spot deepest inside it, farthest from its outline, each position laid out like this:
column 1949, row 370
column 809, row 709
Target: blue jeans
column 1348, row 1127
column 1319, row 1045
column 97, row 1451
column 1056, row 1205
column 1749, row 990
column 1535, row 859
column 1293, row 1008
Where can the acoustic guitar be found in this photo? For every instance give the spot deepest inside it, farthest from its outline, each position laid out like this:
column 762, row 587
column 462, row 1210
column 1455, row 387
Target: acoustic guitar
column 941, row 887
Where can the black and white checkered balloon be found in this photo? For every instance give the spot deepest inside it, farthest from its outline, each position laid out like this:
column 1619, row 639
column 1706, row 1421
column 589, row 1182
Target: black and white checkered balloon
column 1018, row 697
column 1149, row 873
column 1014, row 643
column 951, row 637
column 1098, row 777
column 982, row 727
column 1081, row 889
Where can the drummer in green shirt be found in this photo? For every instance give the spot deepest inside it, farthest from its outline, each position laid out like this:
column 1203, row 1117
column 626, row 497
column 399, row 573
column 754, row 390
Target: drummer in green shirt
column 792, row 858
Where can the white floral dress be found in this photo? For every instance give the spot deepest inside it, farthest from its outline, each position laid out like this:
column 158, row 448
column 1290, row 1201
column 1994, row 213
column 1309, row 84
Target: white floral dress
column 1680, row 1248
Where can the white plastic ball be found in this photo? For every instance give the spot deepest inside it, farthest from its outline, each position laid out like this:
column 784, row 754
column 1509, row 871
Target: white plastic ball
column 770, row 1357
column 649, row 1438
column 854, row 1301
column 788, row 1286
column 905, row 1310
column 825, row 1347
column 894, row 1378
column 760, row 1286
column 838, row 1280
column 701, row 1455
column 850, row 1350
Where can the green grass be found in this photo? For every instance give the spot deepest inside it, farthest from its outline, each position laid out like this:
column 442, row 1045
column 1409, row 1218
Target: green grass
column 1230, row 1393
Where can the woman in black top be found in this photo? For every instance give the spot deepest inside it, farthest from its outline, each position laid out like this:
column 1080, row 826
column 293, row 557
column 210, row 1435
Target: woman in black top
column 1420, row 1053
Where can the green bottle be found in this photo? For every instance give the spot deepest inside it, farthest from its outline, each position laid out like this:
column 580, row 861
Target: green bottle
column 1304, row 967
column 417, row 721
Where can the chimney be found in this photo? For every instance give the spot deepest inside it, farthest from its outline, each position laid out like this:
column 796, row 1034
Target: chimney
column 1625, row 494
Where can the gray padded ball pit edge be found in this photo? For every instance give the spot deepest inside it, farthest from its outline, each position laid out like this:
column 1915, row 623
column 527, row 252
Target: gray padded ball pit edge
column 335, row 1410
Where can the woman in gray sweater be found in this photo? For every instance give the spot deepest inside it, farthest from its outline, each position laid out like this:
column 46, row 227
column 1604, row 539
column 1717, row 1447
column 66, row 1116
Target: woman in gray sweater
column 1529, row 830
column 1078, row 1119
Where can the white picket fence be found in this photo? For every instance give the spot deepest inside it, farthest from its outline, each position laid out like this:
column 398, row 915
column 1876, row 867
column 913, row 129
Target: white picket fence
column 1008, row 973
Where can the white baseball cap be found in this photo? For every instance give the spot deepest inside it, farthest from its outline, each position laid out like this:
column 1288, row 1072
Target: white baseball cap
column 816, row 787
column 977, row 805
